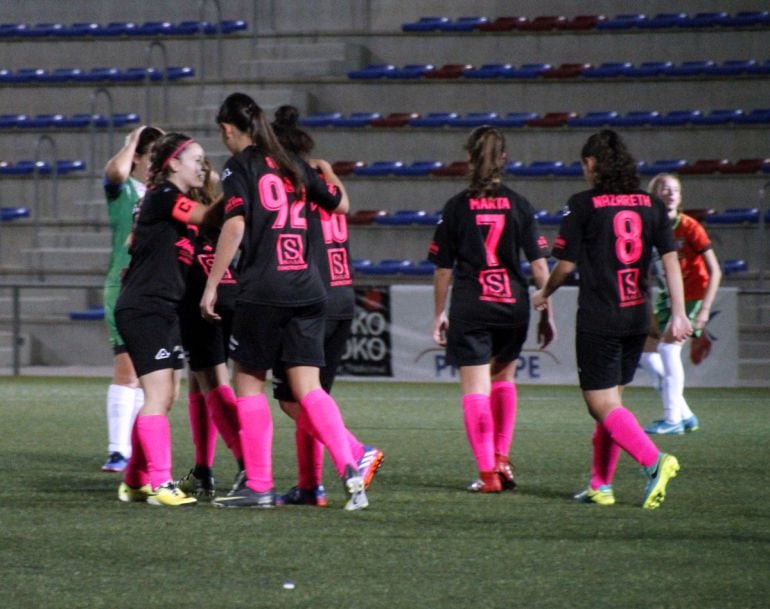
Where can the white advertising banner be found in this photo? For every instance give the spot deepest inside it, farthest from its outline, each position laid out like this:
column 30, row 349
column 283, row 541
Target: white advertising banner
column 404, row 351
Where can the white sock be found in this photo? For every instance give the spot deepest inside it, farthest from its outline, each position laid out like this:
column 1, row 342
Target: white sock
column 120, row 418
column 653, row 364
column 673, row 381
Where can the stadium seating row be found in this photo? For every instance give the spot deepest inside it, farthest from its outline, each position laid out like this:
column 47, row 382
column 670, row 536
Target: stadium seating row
column 27, row 167
column 120, row 28
column 589, row 22
column 8, row 214
column 534, row 119
column 99, row 74
column 80, row 120
column 546, row 168
column 614, row 69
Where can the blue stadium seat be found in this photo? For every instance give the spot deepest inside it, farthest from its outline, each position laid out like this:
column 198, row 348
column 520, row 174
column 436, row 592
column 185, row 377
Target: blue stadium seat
column 78, row 120
column 424, row 267
column 529, row 70
column 735, row 215
column 662, row 166
column 119, row 28
column 664, row 20
column 93, row 313
column 635, row 118
column 174, row 73
column 548, row 219
column 503, row 24
column 99, row 74
column 42, row 121
column 571, row 169
column 411, row 70
column 25, row 75
column 648, row 68
column 12, row 30
column 676, row 118
column 425, row 24
column 121, row 119
column 473, row 119
column 378, row 168
column 707, row 19
column 153, row 28
column 718, row 117
column 733, row 67
column 23, row 167
column 40, row 30
column 372, row 71
column 622, row 22
column 433, row 119
column 538, row 168
column 389, row 266
column 513, row 167
column 514, row 119
column 62, row 75
column 489, row 70
column 320, row 119
column 81, row 29
column 593, row 119
column 8, row 214
column 462, row 24
column 418, row 168
column 759, row 68
column 608, row 70
column 227, row 26
column 401, row 217
column 690, row 68
column 10, row 121
column 730, row 267
column 355, row 119
column 360, row 264
column 747, row 19
column 526, row 268
column 757, row 116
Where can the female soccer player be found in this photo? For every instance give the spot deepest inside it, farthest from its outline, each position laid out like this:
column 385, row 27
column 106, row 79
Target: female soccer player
column 608, row 232
column 124, row 185
column 482, row 231
column 211, row 401
column 280, row 305
column 701, row 275
column 147, row 315
column 328, row 242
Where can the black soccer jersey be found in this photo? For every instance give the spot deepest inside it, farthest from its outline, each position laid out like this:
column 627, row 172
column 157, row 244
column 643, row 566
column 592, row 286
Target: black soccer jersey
column 481, row 238
column 610, row 237
column 274, row 268
column 203, row 258
column 161, row 252
column 328, row 236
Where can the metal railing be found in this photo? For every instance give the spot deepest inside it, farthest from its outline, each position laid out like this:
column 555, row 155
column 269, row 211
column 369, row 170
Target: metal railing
column 54, row 195
column 155, row 44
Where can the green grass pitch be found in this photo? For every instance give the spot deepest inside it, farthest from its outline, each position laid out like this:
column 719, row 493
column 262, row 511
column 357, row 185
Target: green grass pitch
column 66, row 542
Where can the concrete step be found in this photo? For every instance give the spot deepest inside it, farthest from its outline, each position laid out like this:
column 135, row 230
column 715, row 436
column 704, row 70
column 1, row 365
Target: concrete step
column 84, row 259
column 755, row 371
column 67, row 239
column 36, row 303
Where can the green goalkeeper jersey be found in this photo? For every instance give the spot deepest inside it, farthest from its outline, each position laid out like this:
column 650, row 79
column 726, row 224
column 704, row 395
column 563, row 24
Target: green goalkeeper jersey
column 121, row 201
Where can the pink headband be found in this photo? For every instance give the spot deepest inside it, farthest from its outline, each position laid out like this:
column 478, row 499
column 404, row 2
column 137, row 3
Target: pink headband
column 176, row 153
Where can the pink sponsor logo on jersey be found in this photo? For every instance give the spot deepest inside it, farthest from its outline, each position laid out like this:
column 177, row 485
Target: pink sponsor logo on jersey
column 290, row 250
column 496, row 286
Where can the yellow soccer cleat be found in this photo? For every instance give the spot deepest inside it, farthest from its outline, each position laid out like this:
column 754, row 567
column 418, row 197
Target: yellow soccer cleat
column 665, row 469
column 129, row 494
column 168, row 495
column 600, row 496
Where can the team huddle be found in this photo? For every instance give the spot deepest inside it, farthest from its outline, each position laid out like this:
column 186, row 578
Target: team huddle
column 252, row 266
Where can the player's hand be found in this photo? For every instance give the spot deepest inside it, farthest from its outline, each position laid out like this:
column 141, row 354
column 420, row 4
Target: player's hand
column 208, row 301
column 546, row 331
column 440, row 326
column 680, row 327
column 539, row 301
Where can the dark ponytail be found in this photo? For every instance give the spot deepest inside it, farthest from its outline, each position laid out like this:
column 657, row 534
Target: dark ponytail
column 486, row 147
column 289, row 134
column 244, row 114
column 615, row 170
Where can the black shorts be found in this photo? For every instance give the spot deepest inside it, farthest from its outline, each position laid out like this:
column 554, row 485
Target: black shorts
column 204, row 342
column 474, row 344
column 335, row 340
column 607, row 361
column 152, row 339
column 262, row 334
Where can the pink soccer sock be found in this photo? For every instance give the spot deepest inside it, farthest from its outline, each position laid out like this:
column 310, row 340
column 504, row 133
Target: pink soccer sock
column 204, row 432
column 325, row 416
column 605, row 457
column 310, row 454
column 224, row 412
column 629, row 435
column 154, row 435
column 502, row 402
column 136, row 474
column 256, row 433
column 480, row 429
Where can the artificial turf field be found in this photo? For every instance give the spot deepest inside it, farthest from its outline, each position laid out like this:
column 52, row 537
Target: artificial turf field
column 66, row 542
